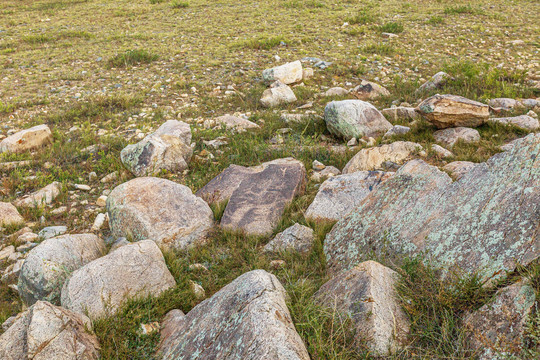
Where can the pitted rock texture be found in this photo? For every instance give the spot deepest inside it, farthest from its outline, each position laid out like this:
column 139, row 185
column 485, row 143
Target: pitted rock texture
column 160, row 210
column 373, row 158
column 287, row 73
column 168, row 148
column 48, row 332
column 9, row 215
column 367, row 294
column 449, row 137
column 446, row 111
column 28, row 139
column 523, row 121
column 247, row 319
column 354, row 119
column 49, row 264
column 486, row 221
column 40, row 198
column 339, row 195
column 496, row 330
column 132, row 271
column 257, row 204
column 297, row 237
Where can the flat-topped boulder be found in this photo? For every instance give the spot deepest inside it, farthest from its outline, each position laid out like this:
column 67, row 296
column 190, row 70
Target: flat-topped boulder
column 401, row 113
column 26, row 140
column 354, row 119
column 446, row 111
column 221, row 188
column 487, row 221
column 373, row 158
column 297, row 237
column 161, row 210
column 449, row 137
column 247, row 319
column 235, row 123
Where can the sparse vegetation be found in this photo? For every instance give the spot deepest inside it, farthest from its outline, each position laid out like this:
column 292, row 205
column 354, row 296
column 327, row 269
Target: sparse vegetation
column 391, row 27
column 133, row 57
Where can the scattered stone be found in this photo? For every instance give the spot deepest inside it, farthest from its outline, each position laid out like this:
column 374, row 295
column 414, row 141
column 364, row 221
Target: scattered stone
column 354, row 118
column 101, row 201
column 353, row 142
column 52, row 231
column 150, row 328
column 446, row 111
column 397, row 130
column 449, row 137
column 82, row 187
column 297, row 237
column 367, row 294
column 336, row 91
column 247, row 319
column 110, row 177
column 277, row 264
column 28, row 139
column 9, row 216
column 7, row 166
column 99, row 222
column 277, row 95
column 7, row 252
column 368, row 90
column 49, row 264
column 401, row 113
column 293, row 118
column 287, row 73
column 158, row 209
column 318, row 166
column 45, row 332
column 132, row 271
column 373, row 158
column 437, row 81
column 440, row 151
column 487, row 221
column 236, row 123
column 459, row 168
column 523, row 121
column 257, row 204
column 41, row 197
column 198, row 267
column 166, row 149
column 503, row 103
column 326, row 173
column 339, row 195
column 532, row 114
column 59, row 210
column 197, row 290
column 496, row 330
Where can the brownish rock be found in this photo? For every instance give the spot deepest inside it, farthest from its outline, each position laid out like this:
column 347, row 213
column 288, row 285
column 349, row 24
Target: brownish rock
column 446, row 111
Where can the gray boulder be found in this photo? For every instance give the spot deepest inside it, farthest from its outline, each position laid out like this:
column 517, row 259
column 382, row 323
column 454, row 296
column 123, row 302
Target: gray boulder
column 446, row 111
column 523, row 121
column 449, row 137
column 247, row 319
column 297, row 237
column 373, row 158
column 102, row 286
column 161, row 210
column 49, row 264
column 437, row 81
column 397, row 130
column 503, row 103
column 401, row 113
column 486, row 221
column 354, row 118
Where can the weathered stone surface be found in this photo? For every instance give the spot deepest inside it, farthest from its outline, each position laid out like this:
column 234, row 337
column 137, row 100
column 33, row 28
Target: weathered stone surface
column 373, row 158
column 168, row 148
column 52, row 231
column 446, row 111
column 339, row 195
column 49, row 264
column 486, row 221
column 437, row 81
column 172, row 321
column 354, row 118
column 459, row 168
column 132, row 271
column 277, row 95
column 297, row 237
column 247, row 319
column 158, row 209
column 328, row 171
column 220, row 188
column 235, row 122
column 47, row 332
column 336, row 91
column 257, row 204
column 287, row 73
column 367, row 294
column 449, row 137
column 368, row 90
column 495, row 331
column 9, row 215
column 397, row 130
column 523, row 121
column 28, row 139
column 44, row 196
column 442, row 152
column 401, row 113
column 503, row 103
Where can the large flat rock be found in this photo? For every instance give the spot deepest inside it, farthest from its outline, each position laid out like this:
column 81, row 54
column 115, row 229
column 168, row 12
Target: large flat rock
column 373, row 158
column 486, row 221
column 446, row 111
column 247, row 319
column 25, row 140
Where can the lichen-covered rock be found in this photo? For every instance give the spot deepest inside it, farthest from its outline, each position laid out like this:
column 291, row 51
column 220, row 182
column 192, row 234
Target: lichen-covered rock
column 437, row 81
column 287, row 73
column 42, row 197
column 449, row 137
column 354, row 119
column 446, row 111
column 161, row 210
column 257, row 204
column 49, row 264
column 373, row 158
column 367, row 294
column 132, row 271
column 168, row 148
column 339, row 195
column 47, row 332
column 495, row 331
column 278, row 94
column 9, row 215
column 297, row 237
column 247, row 319
column 368, row 90
column 401, row 113
column 523, row 121
column 28, row 139
column 486, row 221
column 459, row 168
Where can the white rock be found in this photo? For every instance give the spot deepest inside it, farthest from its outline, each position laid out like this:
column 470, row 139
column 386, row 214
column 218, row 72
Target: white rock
column 9, row 216
column 449, row 137
column 25, row 140
column 277, row 95
column 287, row 73
column 373, row 158
column 41, row 197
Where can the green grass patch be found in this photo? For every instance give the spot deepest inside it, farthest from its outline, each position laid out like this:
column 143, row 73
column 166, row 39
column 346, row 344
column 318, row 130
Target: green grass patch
column 392, row 27
column 176, row 4
column 261, row 43
column 435, row 20
column 133, row 57
column 361, row 18
column 463, row 9
column 379, row 49
column 37, row 39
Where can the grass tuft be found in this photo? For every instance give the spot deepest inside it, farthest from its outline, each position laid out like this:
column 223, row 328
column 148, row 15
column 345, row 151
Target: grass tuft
column 132, row 57
column 391, row 27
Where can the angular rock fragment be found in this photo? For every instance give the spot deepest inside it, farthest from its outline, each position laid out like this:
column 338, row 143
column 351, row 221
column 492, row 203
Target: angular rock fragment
column 523, row 121
column 367, row 294
column 9, row 215
column 459, row 168
column 278, row 94
column 446, row 111
column 354, row 118
column 297, row 237
column 158, row 209
column 449, row 137
column 44, row 196
column 247, row 319
column 28, row 139
column 287, row 73
column 236, row 123
column 503, row 103
column 442, row 152
column 397, row 130
column 437, row 81
column 368, row 90
column 401, row 113
column 336, row 91
column 102, row 286
column 220, row 188
column 373, row 158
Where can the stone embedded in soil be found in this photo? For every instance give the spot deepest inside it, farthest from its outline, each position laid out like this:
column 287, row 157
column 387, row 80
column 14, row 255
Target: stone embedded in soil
column 397, row 130
column 523, row 122
column 287, row 73
column 9, row 215
column 277, row 95
column 373, row 158
column 449, row 137
column 28, row 139
column 235, row 122
column 437, row 81
column 401, row 113
column 40, row 198
column 297, row 237
column 445, row 111
column 368, row 90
